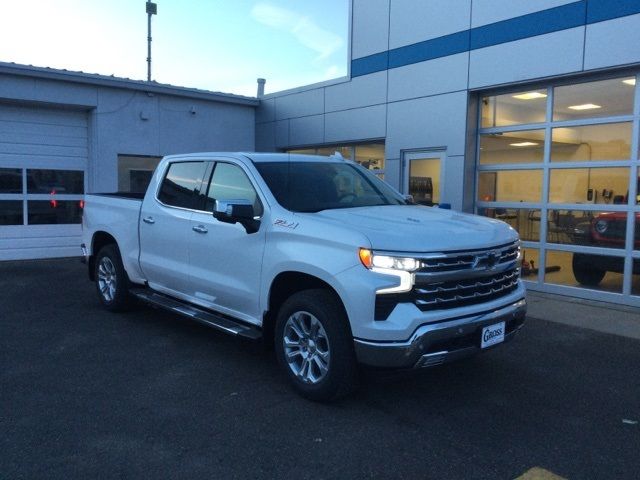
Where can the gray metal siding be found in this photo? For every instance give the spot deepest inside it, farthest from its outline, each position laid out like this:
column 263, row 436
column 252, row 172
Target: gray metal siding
column 33, row 136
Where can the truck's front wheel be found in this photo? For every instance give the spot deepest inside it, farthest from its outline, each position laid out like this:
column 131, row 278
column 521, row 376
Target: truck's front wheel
column 314, row 345
column 111, row 279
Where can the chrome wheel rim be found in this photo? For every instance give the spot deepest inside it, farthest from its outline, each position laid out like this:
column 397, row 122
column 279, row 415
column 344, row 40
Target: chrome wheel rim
column 306, row 347
column 107, row 279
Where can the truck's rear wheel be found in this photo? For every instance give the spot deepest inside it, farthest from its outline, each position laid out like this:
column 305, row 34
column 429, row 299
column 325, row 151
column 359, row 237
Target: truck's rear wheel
column 314, row 345
column 111, row 279
column 585, row 271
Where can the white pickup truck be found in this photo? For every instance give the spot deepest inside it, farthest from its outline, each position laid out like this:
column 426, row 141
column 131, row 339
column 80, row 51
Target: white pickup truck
column 314, row 254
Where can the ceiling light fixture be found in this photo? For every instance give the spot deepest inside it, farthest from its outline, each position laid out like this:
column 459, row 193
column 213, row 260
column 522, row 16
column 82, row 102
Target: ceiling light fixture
column 530, row 96
column 524, row 144
column 630, row 81
column 585, row 106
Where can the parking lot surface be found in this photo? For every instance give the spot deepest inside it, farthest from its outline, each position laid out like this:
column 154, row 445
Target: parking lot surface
column 85, row 393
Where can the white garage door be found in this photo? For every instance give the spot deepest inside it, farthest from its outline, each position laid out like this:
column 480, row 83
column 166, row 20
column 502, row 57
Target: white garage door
column 43, row 165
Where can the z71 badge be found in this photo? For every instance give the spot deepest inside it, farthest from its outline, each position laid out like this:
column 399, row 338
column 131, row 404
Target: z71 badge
column 284, row 223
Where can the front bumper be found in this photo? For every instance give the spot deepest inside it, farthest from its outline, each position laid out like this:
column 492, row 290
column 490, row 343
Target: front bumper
column 442, row 342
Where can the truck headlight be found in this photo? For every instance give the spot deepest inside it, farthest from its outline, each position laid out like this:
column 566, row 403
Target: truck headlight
column 601, row 226
column 401, row 267
column 373, row 260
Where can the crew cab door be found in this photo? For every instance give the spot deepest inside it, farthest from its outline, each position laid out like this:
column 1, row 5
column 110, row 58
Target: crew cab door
column 225, row 260
column 165, row 227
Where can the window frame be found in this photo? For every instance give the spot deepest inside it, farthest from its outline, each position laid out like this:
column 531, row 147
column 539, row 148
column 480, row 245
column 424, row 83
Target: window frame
column 206, row 181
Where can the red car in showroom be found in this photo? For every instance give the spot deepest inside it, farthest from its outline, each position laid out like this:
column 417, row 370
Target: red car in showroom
column 606, row 229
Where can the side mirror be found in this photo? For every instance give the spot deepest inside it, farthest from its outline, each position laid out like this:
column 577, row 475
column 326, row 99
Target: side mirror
column 236, row 211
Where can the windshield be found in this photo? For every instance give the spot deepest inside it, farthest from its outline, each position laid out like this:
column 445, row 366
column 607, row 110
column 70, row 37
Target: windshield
column 315, row 186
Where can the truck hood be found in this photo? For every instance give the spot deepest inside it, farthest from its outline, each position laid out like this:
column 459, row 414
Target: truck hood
column 408, row 228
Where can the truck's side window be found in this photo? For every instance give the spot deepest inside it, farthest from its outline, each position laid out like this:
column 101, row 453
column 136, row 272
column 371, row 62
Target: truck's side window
column 181, row 185
column 229, row 182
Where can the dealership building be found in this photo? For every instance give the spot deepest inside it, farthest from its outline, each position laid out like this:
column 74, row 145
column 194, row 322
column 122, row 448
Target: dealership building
column 527, row 112
column 63, row 134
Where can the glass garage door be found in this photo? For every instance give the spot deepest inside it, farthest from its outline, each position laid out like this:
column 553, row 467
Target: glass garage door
column 43, row 161
column 560, row 165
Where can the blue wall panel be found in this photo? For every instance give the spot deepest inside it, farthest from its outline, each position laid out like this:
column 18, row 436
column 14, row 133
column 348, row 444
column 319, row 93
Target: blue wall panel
column 429, row 49
column 538, row 23
column 555, row 19
column 600, row 10
column 371, row 64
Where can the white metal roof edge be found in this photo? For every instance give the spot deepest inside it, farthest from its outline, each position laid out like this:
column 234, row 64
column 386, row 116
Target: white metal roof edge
column 124, row 83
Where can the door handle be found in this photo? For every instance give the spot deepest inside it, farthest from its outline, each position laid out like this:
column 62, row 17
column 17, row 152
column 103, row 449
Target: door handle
column 200, row 229
column 148, row 220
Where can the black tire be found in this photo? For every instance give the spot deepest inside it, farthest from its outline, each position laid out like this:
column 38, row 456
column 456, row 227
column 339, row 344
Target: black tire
column 334, row 337
column 112, row 282
column 585, row 271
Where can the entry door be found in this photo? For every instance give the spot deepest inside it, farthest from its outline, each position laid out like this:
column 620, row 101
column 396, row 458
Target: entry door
column 165, row 227
column 225, row 260
column 423, row 176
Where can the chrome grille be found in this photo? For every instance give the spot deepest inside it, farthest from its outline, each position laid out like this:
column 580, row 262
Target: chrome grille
column 464, row 278
column 457, row 279
column 459, row 293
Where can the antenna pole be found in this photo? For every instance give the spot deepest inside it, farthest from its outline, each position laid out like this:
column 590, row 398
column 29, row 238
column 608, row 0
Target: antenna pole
column 152, row 9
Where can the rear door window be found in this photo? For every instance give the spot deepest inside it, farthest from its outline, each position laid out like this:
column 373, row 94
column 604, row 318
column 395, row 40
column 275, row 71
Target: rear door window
column 181, row 185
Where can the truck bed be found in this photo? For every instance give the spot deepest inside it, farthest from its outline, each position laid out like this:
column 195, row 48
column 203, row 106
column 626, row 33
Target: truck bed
column 116, row 214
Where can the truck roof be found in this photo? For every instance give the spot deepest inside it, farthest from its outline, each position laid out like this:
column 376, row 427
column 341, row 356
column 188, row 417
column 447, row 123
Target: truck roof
column 261, row 157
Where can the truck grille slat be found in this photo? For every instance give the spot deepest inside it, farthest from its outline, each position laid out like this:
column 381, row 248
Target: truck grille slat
column 463, row 286
column 510, row 281
column 439, row 265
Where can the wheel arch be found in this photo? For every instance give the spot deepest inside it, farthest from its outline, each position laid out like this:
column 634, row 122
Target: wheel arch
column 283, row 286
column 99, row 240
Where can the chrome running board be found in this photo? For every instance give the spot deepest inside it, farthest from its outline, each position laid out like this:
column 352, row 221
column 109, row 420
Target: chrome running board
column 206, row 317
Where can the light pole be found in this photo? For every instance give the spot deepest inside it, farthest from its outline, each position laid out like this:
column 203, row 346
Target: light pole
column 152, row 9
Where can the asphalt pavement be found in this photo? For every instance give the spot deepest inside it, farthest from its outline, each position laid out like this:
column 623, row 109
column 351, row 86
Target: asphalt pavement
column 85, row 393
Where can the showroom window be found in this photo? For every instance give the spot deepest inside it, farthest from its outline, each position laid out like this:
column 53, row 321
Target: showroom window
column 34, row 196
column 135, row 172
column 560, row 165
column 369, row 155
column 423, row 176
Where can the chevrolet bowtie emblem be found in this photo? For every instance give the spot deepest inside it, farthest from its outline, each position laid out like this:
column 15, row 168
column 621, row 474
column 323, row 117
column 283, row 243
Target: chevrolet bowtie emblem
column 486, row 260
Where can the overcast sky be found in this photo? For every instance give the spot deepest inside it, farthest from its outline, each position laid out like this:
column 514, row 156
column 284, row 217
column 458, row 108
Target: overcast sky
column 219, row 45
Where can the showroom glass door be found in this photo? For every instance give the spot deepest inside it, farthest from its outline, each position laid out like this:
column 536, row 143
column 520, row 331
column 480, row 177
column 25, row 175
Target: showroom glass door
column 560, row 164
column 423, row 176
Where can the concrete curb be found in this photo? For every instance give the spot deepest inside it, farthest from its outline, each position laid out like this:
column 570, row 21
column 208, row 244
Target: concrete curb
column 599, row 316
